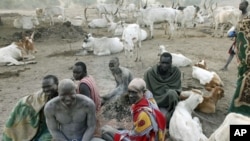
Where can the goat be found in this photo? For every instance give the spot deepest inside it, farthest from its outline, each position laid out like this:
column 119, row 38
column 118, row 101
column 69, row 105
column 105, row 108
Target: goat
column 208, row 78
column 201, row 64
column 210, row 100
column 178, row 59
column 25, row 22
column 13, row 53
column 222, row 133
column 50, row 12
column 102, row 46
column 184, row 127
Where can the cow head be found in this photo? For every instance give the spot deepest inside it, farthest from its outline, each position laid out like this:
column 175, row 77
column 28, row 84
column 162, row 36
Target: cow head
column 27, row 45
column 88, row 42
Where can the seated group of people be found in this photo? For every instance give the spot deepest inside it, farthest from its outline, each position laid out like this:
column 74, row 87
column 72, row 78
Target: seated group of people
column 64, row 111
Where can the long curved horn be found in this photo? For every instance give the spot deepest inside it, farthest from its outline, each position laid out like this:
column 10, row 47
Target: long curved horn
column 106, row 12
column 85, row 13
column 116, row 11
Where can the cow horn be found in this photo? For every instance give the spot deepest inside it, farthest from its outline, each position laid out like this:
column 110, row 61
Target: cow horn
column 145, row 6
column 32, row 35
column 116, row 11
column 85, row 13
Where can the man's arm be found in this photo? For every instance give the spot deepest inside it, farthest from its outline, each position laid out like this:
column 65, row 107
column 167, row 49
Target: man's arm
column 52, row 123
column 84, row 89
column 91, row 122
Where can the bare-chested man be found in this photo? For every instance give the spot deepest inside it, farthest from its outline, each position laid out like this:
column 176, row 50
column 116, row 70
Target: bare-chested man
column 70, row 116
column 122, row 77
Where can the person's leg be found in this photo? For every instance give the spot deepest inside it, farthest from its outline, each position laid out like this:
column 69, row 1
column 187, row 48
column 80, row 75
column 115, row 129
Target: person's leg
column 108, row 132
column 230, row 58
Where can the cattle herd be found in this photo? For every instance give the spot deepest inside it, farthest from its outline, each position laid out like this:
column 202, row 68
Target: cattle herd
column 125, row 26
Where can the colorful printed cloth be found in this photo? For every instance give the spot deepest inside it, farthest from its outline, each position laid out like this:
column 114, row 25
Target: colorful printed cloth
column 149, row 124
column 24, row 123
column 241, row 99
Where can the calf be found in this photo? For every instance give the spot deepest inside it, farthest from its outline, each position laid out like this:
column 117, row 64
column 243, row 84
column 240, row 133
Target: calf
column 50, row 12
column 102, row 46
column 131, row 38
column 25, row 22
column 208, row 78
column 210, row 100
column 201, row 64
column 13, row 53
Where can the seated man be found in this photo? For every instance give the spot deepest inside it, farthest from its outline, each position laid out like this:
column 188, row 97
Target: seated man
column 27, row 121
column 149, row 123
column 164, row 81
column 122, row 78
column 87, row 85
column 70, row 116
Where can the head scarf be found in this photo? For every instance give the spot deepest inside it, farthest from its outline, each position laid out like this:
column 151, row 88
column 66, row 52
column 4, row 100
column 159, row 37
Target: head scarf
column 137, row 85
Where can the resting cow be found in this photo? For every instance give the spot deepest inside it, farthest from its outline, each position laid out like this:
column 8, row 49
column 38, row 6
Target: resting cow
column 13, row 53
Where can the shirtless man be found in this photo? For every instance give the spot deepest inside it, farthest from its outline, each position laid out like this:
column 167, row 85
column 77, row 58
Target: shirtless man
column 122, row 78
column 70, row 116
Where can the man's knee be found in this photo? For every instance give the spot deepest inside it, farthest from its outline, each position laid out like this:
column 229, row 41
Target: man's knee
column 172, row 94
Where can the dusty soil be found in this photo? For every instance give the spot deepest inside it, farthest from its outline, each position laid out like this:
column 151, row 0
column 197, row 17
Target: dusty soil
column 57, row 46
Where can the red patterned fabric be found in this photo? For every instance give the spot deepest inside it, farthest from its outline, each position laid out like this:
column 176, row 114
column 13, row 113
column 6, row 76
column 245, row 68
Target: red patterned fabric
column 89, row 80
column 149, row 124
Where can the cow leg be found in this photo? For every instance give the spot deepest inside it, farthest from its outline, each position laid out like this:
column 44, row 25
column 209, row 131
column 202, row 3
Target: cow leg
column 151, row 31
column 102, row 53
column 12, row 61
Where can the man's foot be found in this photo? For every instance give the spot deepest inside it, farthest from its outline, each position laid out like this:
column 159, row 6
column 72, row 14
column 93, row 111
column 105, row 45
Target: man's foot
column 224, row 69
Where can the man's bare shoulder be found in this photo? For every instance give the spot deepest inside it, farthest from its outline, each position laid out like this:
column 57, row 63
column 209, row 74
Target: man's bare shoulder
column 85, row 100
column 125, row 70
column 52, row 104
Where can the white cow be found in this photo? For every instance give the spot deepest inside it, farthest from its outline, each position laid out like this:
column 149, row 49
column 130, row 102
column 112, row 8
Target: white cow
column 150, row 16
column 50, row 12
column 13, row 53
column 189, row 14
column 131, row 38
column 25, row 22
column 102, row 46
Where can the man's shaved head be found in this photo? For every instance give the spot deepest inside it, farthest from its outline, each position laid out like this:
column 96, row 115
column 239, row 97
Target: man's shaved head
column 66, row 85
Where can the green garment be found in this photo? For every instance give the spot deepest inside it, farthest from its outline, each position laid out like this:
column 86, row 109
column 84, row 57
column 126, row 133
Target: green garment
column 241, row 99
column 24, row 122
column 164, row 90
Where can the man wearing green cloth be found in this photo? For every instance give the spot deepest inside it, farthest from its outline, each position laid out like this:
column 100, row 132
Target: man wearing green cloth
column 27, row 121
column 164, row 81
column 241, row 99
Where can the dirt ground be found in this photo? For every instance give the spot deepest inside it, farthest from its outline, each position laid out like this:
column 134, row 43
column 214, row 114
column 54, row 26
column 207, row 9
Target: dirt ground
column 56, row 55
